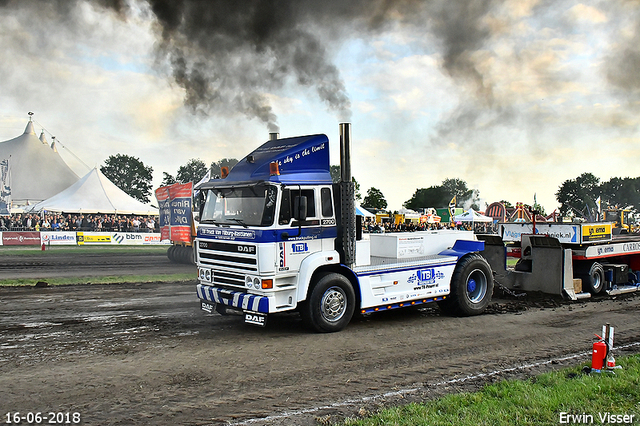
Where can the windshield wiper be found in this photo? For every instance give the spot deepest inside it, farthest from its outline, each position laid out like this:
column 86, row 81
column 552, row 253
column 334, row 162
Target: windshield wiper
column 239, row 221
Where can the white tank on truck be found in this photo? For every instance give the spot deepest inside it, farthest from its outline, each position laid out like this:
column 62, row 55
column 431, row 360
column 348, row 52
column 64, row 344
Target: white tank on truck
column 277, row 235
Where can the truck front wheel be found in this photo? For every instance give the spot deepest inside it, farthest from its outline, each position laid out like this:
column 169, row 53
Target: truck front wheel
column 471, row 287
column 330, row 305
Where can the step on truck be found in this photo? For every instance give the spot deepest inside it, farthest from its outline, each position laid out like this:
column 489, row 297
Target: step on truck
column 277, row 235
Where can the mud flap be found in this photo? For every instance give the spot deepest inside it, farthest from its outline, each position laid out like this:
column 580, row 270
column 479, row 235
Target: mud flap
column 255, row 318
column 207, row 306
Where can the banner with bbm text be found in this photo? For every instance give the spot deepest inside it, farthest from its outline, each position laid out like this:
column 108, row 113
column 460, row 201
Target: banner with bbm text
column 175, row 204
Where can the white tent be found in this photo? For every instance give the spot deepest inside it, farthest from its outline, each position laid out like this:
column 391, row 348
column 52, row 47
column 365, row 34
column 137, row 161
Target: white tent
column 363, row 212
column 37, row 171
column 472, row 216
column 94, row 193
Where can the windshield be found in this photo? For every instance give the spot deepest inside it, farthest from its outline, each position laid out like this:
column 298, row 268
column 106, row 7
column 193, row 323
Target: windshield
column 247, row 206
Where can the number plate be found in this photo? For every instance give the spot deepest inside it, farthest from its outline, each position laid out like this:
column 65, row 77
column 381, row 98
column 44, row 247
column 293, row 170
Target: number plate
column 255, row 318
column 205, row 274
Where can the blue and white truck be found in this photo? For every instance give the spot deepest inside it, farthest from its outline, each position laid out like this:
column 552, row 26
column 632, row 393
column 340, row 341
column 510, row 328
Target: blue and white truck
column 277, row 235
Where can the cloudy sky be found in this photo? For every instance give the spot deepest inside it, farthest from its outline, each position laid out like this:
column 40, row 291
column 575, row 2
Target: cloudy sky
column 512, row 96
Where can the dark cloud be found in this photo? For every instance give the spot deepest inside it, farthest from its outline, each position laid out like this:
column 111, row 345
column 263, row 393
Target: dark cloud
column 227, row 54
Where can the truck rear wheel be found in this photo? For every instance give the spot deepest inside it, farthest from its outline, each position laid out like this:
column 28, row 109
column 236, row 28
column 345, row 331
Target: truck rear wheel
column 330, row 305
column 471, row 287
column 593, row 279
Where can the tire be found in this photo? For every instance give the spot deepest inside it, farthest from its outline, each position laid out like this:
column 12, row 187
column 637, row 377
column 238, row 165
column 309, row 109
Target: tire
column 170, row 253
column 330, row 305
column 593, row 279
column 471, row 287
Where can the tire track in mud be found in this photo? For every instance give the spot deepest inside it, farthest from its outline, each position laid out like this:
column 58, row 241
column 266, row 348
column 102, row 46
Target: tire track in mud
column 145, row 353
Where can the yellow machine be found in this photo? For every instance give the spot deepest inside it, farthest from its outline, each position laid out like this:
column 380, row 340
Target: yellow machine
column 619, row 218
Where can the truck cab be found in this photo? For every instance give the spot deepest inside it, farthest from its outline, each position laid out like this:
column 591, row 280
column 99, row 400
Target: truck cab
column 276, row 235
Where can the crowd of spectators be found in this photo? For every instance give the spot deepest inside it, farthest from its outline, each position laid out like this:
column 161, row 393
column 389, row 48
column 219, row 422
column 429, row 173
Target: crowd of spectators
column 385, row 227
column 79, row 222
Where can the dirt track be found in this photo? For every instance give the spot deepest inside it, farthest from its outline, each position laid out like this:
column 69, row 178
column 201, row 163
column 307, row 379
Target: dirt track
column 146, row 354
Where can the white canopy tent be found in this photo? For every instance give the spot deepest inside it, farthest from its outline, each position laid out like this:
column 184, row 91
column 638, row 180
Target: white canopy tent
column 94, row 193
column 472, row 216
column 37, row 170
column 363, row 212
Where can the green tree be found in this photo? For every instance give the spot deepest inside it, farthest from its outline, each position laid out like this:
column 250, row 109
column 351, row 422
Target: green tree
column 167, row 179
column 507, row 204
column 434, row 196
column 576, row 194
column 375, row 199
column 621, row 192
column 129, row 174
column 193, row 171
column 441, row 195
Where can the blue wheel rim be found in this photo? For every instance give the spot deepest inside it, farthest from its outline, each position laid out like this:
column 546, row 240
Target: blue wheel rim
column 477, row 285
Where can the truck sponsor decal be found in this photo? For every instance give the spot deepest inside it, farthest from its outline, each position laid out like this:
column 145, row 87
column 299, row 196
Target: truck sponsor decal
column 227, row 234
column 611, row 250
column 596, row 232
column 425, row 278
column 267, row 235
column 299, row 248
column 564, row 233
column 282, row 258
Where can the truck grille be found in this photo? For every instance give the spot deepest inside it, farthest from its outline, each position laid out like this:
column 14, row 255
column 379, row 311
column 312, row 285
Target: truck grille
column 229, row 261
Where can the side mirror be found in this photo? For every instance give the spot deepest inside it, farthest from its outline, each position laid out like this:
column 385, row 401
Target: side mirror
column 300, row 208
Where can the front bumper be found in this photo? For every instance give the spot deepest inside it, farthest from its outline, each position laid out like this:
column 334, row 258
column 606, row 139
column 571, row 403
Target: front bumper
column 234, row 299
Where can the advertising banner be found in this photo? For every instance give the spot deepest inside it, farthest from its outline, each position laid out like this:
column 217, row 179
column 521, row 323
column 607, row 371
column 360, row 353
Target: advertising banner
column 137, row 238
column 598, row 232
column 162, row 195
column 58, row 238
column 179, row 211
column 88, row 238
column 21, row 238
column 566, row 233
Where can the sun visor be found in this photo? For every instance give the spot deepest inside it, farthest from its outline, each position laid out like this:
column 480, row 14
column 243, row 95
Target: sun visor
column 303, row 159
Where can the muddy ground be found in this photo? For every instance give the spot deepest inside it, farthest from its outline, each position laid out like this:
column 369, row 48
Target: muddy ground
column 146, row 354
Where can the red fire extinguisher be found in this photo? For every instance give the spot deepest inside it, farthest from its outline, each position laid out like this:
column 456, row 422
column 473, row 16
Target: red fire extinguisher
column 598, row 355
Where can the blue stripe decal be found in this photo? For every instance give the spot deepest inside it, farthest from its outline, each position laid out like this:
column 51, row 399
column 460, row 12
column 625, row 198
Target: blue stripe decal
column 234, row 299
column 212, row 232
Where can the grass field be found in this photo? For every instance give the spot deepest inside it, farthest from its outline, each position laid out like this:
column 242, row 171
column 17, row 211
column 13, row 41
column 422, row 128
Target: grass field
column 564, row 397
column 111, row 279
column 96, row 249
column 36, row 251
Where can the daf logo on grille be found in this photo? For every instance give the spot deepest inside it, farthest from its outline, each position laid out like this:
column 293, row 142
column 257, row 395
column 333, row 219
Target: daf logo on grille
column 247, row 249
